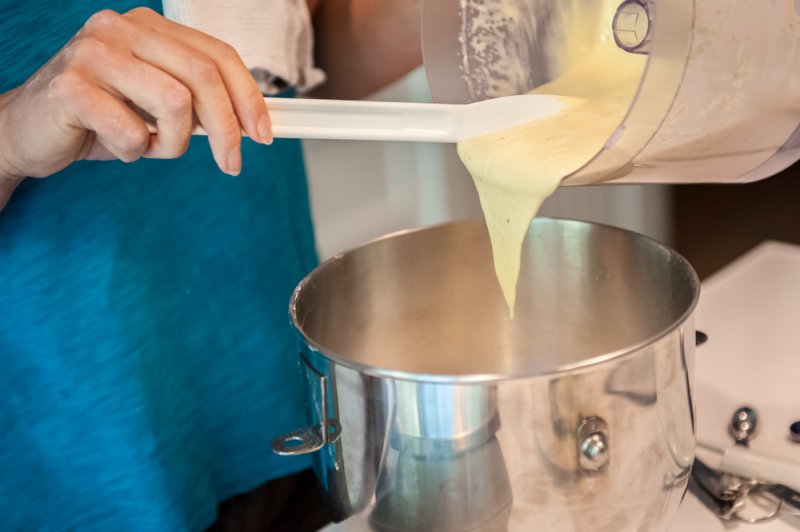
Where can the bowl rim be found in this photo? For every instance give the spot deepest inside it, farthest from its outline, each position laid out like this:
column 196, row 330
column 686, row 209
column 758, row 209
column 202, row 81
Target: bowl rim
column 556, row 370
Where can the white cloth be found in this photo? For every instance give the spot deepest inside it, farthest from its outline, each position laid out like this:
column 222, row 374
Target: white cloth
column 274, row 37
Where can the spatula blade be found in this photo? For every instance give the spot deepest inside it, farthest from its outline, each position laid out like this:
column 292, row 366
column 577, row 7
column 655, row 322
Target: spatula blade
column 497, row 114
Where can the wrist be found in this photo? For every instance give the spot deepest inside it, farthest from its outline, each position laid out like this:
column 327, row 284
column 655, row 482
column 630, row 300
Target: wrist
column 9, row 179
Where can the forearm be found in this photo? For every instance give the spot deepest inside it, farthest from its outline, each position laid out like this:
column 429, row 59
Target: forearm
column 8, row 178
column 363, row 45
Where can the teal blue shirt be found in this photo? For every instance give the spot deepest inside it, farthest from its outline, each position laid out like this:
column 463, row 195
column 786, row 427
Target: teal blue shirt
column 146, row 359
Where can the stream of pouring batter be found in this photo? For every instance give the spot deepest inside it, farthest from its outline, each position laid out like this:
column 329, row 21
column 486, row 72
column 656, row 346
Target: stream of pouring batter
column 515, row 170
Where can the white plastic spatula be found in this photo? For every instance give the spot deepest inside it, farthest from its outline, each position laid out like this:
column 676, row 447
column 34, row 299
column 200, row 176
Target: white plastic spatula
column 396, row 121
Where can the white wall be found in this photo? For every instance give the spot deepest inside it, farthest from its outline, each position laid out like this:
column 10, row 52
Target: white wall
column 362, row 190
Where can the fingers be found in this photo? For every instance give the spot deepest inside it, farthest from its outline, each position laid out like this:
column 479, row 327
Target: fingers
column 170, row 72
column 196, row 70
column 87, row 101
column 150, row 89
column 210, row 99
column 116, row 126
column 225, row 97
column 247, row 100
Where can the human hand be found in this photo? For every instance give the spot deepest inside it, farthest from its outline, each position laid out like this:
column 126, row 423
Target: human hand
column 94, row 98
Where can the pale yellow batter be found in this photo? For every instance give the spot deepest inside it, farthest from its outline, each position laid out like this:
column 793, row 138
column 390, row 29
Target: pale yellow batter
column 515, row 170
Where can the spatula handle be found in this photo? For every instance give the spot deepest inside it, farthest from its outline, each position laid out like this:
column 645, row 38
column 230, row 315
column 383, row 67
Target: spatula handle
column 360, row 120
column 363, row 120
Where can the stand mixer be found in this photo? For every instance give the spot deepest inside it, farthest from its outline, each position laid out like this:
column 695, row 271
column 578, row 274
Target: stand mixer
column 719, row 100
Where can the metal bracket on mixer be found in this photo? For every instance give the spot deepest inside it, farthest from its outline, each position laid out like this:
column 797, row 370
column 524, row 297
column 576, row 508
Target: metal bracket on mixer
column 311, row 439
column 728, row 495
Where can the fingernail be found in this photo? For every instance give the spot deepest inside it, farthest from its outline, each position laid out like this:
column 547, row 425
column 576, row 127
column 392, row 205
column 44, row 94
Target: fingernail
column 234, row 161
column 264, row 130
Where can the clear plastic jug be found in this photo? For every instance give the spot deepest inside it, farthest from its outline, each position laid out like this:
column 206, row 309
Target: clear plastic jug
column 719, row 99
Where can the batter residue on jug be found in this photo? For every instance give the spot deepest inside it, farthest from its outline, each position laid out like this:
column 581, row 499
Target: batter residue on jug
column 515, row 170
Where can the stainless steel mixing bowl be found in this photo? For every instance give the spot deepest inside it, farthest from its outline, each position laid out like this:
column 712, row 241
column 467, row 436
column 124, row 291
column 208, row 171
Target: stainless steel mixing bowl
column 430, row 409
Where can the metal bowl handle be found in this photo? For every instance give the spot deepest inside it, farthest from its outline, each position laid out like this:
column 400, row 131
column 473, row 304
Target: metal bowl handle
column 310, row 439
column 298, row 442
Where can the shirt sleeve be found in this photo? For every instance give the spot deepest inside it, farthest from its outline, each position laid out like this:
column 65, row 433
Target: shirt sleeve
column 274, row 37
